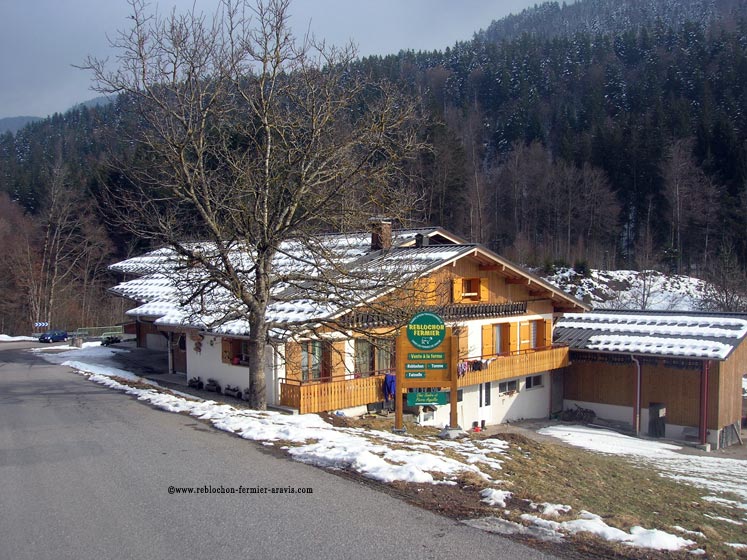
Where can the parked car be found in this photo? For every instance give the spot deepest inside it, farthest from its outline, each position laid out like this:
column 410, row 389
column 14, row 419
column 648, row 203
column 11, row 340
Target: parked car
column 53, row 336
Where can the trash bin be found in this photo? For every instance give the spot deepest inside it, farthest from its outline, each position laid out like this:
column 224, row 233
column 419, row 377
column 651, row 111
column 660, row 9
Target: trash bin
column 657, row 419
column 77, row 342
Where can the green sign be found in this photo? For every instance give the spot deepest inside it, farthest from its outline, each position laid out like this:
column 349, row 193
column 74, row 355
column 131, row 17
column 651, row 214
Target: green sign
column 438, row 366
column 415, row 375
column 433, row 397
column 426, row 331
column 426, row 356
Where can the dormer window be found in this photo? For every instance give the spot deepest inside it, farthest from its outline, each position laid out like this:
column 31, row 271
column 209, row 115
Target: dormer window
column 470, row 290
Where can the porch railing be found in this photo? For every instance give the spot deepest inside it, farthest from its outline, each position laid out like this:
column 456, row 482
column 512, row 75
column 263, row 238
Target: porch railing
column 331, row 393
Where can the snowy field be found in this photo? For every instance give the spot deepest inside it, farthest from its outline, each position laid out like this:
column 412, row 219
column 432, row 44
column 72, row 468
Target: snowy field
column 389, row 457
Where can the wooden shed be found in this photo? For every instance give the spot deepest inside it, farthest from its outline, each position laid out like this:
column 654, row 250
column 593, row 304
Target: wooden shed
column 675, row 375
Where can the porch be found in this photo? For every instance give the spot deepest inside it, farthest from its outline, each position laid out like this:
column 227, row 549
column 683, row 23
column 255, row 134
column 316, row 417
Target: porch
column 334, row 393
column 331, row 393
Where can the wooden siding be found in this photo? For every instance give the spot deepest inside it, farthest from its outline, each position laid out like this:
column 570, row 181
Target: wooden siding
column 331, row 395
column 614, row 384
column 444, row 287
column 518, row 364
column 729, row 374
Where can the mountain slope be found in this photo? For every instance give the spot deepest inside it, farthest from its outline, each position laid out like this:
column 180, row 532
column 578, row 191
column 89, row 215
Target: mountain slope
column 13, row 124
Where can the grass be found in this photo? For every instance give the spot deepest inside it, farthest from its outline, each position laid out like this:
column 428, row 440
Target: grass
column 622, row 492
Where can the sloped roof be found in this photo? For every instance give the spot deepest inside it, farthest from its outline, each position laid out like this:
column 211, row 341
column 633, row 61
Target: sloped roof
column 688, row 335
column 161, row 296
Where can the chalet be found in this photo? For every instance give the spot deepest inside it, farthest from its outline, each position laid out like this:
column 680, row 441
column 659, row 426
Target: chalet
column 501, row 315
column 675, row 375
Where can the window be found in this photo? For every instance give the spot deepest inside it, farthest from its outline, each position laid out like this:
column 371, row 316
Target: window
column 498, row 339
column 364, row 357
column 373, row 356
column 533, row 335
column 470, row 289
column 484, row 394
column 534, row 381
column 507, row 387
column 385, row 354
column 235, row 351
column 311, row 360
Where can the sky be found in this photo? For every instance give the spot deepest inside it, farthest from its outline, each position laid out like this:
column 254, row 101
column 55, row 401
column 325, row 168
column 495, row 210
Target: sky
column 42, row 40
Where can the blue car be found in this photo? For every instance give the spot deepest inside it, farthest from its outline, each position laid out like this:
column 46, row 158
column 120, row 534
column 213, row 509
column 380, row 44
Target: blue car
column 53, row 336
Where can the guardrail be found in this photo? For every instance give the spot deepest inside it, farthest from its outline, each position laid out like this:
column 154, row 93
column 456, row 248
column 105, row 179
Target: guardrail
column 99, row 332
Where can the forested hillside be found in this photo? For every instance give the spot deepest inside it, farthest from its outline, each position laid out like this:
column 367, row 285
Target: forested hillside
column 608, row 133
column 623, row 147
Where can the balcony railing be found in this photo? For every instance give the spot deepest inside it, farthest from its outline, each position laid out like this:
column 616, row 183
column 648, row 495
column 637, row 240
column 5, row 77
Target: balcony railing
column 508, row 365
column 333, row 393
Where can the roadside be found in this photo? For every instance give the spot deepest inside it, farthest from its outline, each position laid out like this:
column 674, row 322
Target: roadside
column 510, row 479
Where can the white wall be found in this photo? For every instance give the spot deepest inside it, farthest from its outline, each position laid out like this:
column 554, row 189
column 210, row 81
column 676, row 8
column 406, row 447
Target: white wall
column 207, row 364
column 522, row 405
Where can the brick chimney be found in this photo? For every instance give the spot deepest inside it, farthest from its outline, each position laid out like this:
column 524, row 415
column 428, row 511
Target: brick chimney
column 381, row 234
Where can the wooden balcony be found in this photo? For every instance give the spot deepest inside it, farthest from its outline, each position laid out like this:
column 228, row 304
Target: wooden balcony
column 515, row 364
column 331, row 393
column 334, row 393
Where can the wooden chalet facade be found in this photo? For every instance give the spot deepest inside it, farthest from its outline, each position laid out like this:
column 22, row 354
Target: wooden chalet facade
column 502, row 315
column 522, row 348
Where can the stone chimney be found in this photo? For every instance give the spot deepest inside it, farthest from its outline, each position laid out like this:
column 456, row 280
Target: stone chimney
column 381, row 234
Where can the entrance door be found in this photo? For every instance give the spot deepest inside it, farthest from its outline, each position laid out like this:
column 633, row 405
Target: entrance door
column 180, row 354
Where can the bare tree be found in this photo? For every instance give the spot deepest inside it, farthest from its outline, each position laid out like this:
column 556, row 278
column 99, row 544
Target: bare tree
column 693, row 200
column 726, row 283
column 248, row 139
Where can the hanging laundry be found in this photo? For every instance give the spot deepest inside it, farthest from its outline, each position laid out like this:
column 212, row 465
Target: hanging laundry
column 390, row 384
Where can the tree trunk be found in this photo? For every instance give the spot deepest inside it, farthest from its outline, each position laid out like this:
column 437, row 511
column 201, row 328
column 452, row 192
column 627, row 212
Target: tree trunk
column 257, row 346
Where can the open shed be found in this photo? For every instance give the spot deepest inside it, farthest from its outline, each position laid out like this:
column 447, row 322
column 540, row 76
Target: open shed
column 675, row 375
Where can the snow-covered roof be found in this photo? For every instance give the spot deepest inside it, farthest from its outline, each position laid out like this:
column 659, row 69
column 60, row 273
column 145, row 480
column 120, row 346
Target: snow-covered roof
column 165, row 284
column 688, row 335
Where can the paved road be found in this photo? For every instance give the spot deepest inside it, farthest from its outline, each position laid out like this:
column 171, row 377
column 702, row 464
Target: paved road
column 85, row 472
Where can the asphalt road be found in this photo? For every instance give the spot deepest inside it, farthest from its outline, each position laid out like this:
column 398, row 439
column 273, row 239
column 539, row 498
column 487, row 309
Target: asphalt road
column 85, row 473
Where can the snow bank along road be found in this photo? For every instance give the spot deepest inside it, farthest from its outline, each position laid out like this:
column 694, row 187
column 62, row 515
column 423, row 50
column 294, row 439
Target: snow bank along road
column 86, row 474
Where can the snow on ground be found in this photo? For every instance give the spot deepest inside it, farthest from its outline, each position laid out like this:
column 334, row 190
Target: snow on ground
column 382, row 456
column 712, row 473
column 630, row 289
column 7, row 338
